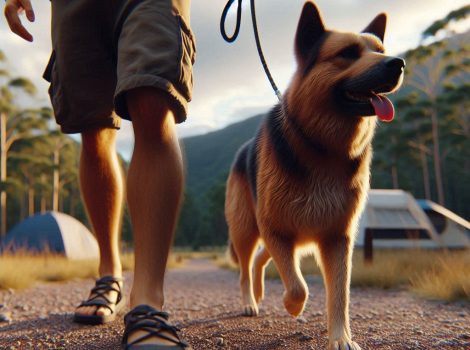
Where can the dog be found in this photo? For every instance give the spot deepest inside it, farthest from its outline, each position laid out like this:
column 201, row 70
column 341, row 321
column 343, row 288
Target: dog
column 301, row 183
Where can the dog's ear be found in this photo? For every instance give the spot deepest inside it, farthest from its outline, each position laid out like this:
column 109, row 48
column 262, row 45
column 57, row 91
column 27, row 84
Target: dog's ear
column 309, row 30
column 377, row 26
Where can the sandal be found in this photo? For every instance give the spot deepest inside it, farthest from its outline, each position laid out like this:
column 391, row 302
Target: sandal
column 146, row 318
column 104, row 285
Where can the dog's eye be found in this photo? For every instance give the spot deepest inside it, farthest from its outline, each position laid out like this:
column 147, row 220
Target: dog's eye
column 352, row 52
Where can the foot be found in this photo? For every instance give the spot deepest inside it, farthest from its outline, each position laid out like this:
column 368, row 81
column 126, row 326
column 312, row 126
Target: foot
column 295, row 300
column 148, row 326
column 250, row 310
column 100, row 307
column 343, row 344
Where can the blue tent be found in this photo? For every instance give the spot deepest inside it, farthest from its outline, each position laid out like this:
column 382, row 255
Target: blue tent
column 53, row 232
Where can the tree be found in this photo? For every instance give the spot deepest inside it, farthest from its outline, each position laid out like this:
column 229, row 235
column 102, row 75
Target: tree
column 16, row 124
column 431, row 68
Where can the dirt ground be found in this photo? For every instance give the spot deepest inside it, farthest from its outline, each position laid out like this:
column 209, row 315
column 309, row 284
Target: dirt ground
column 204, row 302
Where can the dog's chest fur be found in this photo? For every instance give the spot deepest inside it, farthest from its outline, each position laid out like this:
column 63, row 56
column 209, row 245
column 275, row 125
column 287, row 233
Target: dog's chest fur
column 309, row 184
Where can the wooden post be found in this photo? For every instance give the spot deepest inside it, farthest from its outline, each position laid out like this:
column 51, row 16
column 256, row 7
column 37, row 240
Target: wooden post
column 368, row 246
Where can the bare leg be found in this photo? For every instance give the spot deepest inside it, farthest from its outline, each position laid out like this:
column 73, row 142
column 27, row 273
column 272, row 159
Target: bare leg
column 102, row 191
column 283, row 254
column 261, row 261
column 336, row 254
column 154, row 188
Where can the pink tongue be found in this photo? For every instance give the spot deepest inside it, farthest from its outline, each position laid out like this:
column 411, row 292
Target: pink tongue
column 383, row 108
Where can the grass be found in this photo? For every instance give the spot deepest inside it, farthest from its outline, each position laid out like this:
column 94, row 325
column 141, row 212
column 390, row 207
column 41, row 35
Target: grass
column 23, row 269
column 440, row 275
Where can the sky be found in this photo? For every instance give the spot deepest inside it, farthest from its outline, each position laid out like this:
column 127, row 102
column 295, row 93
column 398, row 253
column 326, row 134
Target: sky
column 230, row 84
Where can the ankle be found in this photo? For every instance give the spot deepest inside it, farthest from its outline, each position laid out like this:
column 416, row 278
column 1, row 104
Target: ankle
column 155, row 300
column 113, row 269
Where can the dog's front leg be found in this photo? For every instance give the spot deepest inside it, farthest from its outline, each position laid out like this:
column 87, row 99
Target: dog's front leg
column 335, row 256
column 282, row 250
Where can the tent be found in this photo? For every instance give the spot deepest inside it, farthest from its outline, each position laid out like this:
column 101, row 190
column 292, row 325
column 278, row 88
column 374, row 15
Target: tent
column 453, row 230
column 53, row 232
column 395, row 219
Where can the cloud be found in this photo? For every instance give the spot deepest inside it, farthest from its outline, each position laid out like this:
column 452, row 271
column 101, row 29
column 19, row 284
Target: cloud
column 230, row 84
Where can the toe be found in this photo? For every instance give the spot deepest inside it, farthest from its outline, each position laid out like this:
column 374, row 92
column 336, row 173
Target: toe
column 102, row 311
column 250, row 310
column 82, row 310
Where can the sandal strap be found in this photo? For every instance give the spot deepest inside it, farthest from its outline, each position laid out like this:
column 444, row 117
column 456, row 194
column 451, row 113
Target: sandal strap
column 103, row 286
column 151, row 321
column 98, row 303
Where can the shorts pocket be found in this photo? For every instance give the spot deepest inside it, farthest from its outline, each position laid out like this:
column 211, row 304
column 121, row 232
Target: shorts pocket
column 188, row 57
column 51, row 75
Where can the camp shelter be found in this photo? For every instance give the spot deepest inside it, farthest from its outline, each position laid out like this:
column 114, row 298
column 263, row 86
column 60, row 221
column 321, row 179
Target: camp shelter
column 453, row 230
column 53, row 232
column 395, row 219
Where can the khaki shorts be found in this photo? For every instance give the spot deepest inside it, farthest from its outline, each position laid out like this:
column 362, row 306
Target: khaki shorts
column 101, row 49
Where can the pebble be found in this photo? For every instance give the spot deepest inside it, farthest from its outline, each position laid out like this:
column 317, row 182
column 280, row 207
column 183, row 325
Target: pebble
column 447, row 342
column 219, row 341
column 301, row 319
column 5, row 317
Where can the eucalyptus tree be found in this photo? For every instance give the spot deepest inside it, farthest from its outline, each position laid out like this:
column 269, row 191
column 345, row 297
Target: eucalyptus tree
column 429, row 69
column 16, row 124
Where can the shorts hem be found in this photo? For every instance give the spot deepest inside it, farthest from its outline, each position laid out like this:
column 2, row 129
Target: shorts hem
column 177, row 100
column 110, row 123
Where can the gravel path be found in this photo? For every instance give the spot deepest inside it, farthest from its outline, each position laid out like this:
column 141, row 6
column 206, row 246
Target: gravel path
column 204, row 302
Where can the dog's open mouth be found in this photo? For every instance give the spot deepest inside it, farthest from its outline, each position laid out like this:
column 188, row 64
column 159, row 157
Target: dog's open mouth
column 372, row 103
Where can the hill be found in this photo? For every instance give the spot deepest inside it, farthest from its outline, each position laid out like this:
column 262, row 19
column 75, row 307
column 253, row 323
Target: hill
column 209, row 156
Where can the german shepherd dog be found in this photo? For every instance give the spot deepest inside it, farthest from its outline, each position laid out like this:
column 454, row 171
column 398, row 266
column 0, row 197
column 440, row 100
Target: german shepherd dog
column 301, row 183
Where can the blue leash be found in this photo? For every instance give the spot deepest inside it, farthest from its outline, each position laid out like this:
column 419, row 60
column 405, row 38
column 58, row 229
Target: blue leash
column 234, row 36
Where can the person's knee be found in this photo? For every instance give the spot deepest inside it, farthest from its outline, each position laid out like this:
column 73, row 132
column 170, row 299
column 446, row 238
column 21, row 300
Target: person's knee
column 98, row 141
column 152, row 115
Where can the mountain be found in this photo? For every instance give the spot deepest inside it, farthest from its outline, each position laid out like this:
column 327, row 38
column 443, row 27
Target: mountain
column 209, row 156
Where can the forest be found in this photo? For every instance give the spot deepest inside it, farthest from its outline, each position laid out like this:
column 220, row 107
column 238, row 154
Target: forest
column 425, row 151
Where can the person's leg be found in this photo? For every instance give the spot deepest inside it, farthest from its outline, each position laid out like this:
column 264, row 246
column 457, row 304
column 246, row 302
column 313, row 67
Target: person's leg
column 154, row 189
column 101, row 183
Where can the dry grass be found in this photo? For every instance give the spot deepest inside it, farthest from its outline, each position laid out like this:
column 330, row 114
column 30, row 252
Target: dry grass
column 23, row 269
column 448, row 280
column 431, row 274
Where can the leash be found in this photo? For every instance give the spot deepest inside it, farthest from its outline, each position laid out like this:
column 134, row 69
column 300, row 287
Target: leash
column 234, row 36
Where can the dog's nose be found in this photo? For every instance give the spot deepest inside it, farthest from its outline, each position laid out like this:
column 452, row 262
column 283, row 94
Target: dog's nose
column 395, row 63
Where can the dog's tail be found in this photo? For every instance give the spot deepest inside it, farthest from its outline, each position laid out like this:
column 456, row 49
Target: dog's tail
column 231, row 254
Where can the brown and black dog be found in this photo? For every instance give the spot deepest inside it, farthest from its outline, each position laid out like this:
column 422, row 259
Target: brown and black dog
column 301, row 183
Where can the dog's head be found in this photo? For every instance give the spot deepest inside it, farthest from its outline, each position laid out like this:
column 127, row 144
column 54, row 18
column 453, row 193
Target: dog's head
column 345, row 72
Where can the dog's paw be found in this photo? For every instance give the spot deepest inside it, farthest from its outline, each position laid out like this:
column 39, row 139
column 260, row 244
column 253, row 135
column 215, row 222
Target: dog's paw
column 250, row 310
column 295, row 303
column 344, row 345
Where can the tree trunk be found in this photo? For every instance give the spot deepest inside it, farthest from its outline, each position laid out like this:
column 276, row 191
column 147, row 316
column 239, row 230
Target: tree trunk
column 30, row 200
column 72, row 204
column 395, row 177
column 426, row 183
column 43, row 205
column 55, row 188
column 437, row 158
column 3, row 174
